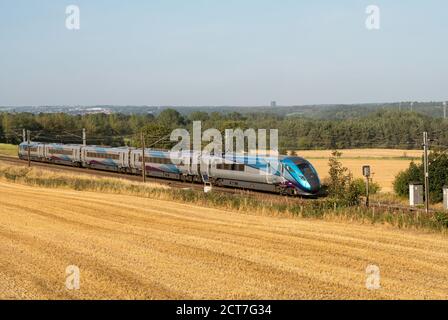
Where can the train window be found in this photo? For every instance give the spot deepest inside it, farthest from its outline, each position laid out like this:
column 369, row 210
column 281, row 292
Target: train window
column 306, row 169
column 103, row 155
column 238, row 167
column 232, row 167
column 155, row 160
column 59, row 151
column 32, row 149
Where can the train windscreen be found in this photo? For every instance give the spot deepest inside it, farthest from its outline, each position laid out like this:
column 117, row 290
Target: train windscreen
column 306, row 170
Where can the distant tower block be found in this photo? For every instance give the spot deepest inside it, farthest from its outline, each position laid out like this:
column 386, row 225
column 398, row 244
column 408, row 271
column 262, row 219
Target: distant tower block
column 273, row 104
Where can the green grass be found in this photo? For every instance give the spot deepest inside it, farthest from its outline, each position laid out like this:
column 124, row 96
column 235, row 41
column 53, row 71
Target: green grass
column 329, row 209
column 8, row 149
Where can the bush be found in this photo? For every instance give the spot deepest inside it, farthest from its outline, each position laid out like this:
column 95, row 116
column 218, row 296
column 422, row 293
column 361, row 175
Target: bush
column 340, row 183
column 412, row 174
column 438, row 176
column 361, row 185
column 441, row 219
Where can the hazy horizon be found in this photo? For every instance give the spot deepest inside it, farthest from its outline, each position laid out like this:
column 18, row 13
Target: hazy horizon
column 216, row 53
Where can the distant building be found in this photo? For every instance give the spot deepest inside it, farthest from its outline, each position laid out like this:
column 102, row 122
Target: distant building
column 273, row 104
column 95, row 110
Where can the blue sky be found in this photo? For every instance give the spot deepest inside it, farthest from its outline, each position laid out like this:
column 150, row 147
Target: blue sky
column 222, row 52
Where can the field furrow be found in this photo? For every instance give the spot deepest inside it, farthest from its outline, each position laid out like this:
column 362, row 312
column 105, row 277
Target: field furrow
column 130, row 247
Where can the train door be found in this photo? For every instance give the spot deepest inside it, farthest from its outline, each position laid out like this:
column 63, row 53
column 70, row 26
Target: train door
column 195, row 164
column 83, row 156
column 126, row 156
column 41, row 151
column 131, row 159
column 77, row 156
column 121, row 159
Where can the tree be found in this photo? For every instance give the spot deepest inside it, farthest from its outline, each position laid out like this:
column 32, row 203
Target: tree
column 198, row 116
column 412, row 174
column 170, row 118
column 156, row 136
column 438, row 176
column 340, row 183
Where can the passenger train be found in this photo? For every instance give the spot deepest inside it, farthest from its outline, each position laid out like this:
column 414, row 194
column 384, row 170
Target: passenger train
column 283, row 174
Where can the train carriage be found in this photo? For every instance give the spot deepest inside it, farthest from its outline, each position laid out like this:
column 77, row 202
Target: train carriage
column 36, row 151
column 105, row 158
column 245, row 171
column 68, row 154
column 158, row 163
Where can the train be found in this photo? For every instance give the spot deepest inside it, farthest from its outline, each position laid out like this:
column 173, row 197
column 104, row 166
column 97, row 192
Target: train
column 287, row 175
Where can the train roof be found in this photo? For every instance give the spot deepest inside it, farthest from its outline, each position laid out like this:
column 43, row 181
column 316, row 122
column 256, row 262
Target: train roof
column 64, row 145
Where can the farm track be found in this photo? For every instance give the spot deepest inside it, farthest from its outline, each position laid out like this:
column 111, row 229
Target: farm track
column 136, row 248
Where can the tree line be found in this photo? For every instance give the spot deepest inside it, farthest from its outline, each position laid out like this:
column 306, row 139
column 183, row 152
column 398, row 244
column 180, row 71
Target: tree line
column 380, row 129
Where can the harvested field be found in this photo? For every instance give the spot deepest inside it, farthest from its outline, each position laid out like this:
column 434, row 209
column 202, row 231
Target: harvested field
column 385, row 163
column 364, row 153
column 130, row 247
column 383, row 171
column 8, row 149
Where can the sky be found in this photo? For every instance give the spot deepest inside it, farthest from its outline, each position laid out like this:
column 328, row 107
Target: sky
column 222, row 52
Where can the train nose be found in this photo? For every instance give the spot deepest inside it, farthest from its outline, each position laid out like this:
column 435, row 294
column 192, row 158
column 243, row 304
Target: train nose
column 314, row 185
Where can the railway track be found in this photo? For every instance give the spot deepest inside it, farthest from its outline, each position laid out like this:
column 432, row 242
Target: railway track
column 189, row 185
column 170, row 183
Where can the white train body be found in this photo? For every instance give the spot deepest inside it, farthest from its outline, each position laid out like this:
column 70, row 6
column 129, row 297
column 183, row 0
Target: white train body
column 290, row 175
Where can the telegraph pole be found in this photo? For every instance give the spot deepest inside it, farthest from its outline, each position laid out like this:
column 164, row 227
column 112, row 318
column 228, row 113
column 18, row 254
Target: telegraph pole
column 84, row 143
column 28, row 134
column 366, row 173
column 425, row 166
column 24, row 135
column 143, row 157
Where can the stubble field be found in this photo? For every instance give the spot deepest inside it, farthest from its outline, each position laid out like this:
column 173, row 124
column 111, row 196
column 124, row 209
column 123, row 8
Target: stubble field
column 130, row 247
column 385, row 163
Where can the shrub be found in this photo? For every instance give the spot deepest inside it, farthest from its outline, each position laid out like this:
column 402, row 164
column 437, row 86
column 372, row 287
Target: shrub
column 340, row 184
column 438, row 176
column 361, row 185
column 441, row 219
column 412, row 174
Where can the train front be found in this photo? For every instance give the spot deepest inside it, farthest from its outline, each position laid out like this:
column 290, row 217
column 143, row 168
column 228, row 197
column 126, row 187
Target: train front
column 301, row 175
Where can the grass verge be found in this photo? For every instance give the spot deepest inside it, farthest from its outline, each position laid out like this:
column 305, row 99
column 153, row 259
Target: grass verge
column 8, row 149
column 330, row 209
